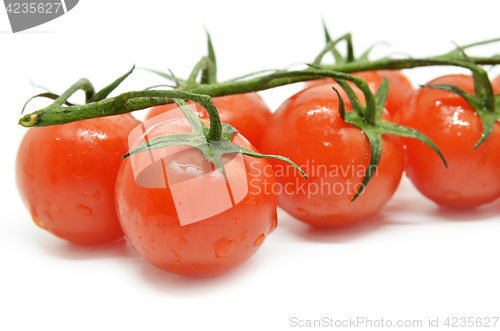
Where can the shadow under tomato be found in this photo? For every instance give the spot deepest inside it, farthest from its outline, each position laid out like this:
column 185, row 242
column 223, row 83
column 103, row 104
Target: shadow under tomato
column 482, row 213
column 183, row 286
column 335, row 235
column 62, row 249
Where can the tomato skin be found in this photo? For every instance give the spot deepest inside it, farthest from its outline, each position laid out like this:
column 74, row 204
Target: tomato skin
column 496, row 83
column 400, row 90
column 308, row 129
column 205, row 248
column 65, row 175
column 246, row 112
column 472, row 177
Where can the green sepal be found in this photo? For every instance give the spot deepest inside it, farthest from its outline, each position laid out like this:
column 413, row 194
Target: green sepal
column 481, row 106
column 356, row 104
column 341, row 104
column 209, row 76
column 380, row 98
column 330, row 46
column 470, row 98
column 488, row 120
column 195, row 122
column 48, row 95
column 339, row 59
column 270, row 156
column 371, row 123
column 212, row 150
column 386, row 127
column 482, row 85
column 102, row 94
column 228, row 132
column 164, row 141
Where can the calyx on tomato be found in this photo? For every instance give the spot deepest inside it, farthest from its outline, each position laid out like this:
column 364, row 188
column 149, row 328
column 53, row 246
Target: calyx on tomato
column 369, row 119
column 483, row 100
column 200, row 138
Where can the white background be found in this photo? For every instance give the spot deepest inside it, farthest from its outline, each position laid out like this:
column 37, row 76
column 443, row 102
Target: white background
column 413, row 261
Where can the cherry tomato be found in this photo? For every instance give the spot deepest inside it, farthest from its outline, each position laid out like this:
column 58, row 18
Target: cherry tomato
column 246, row 112
column 400, row 88
column 308, row 129
column 66, row 174
column 160, row 210
column 472, row 177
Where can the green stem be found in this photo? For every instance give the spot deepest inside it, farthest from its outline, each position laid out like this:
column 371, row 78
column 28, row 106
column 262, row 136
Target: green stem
column 397, row 64
column 136, row 100
column 209, row 73
column 331, row 45
column 191, row 90
column 82, row 84
column 123, row 103
column 201, row 65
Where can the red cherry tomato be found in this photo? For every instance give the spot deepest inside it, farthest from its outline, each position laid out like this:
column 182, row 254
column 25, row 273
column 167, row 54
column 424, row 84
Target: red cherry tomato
column 472, row 177
column 308, row 129
column 400, row 90
column 246, row 112
column 160, row 210
column 66, row 174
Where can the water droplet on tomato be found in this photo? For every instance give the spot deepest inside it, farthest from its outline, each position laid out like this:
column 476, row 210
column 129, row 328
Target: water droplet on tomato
column 181, row 241
column 84, row 210
column 452, row 195
column 223, row 247
column 259, row 240
column 236, row 219
column 96, row 195
column 38, row 222
column 175, row 256
column 302, row 211
column 243, row 235
column 274, row 224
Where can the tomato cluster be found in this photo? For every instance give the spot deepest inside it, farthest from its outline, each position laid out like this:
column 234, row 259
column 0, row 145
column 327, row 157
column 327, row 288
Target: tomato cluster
column 185, row 213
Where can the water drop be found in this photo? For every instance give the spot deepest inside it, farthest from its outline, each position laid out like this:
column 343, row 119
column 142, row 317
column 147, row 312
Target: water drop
column 96, row 195
column 175, row 256
column 274, row 224
column 259, row 240
column 84, row 210
column 302, row 211
column 38, row 222
column 223, row 247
